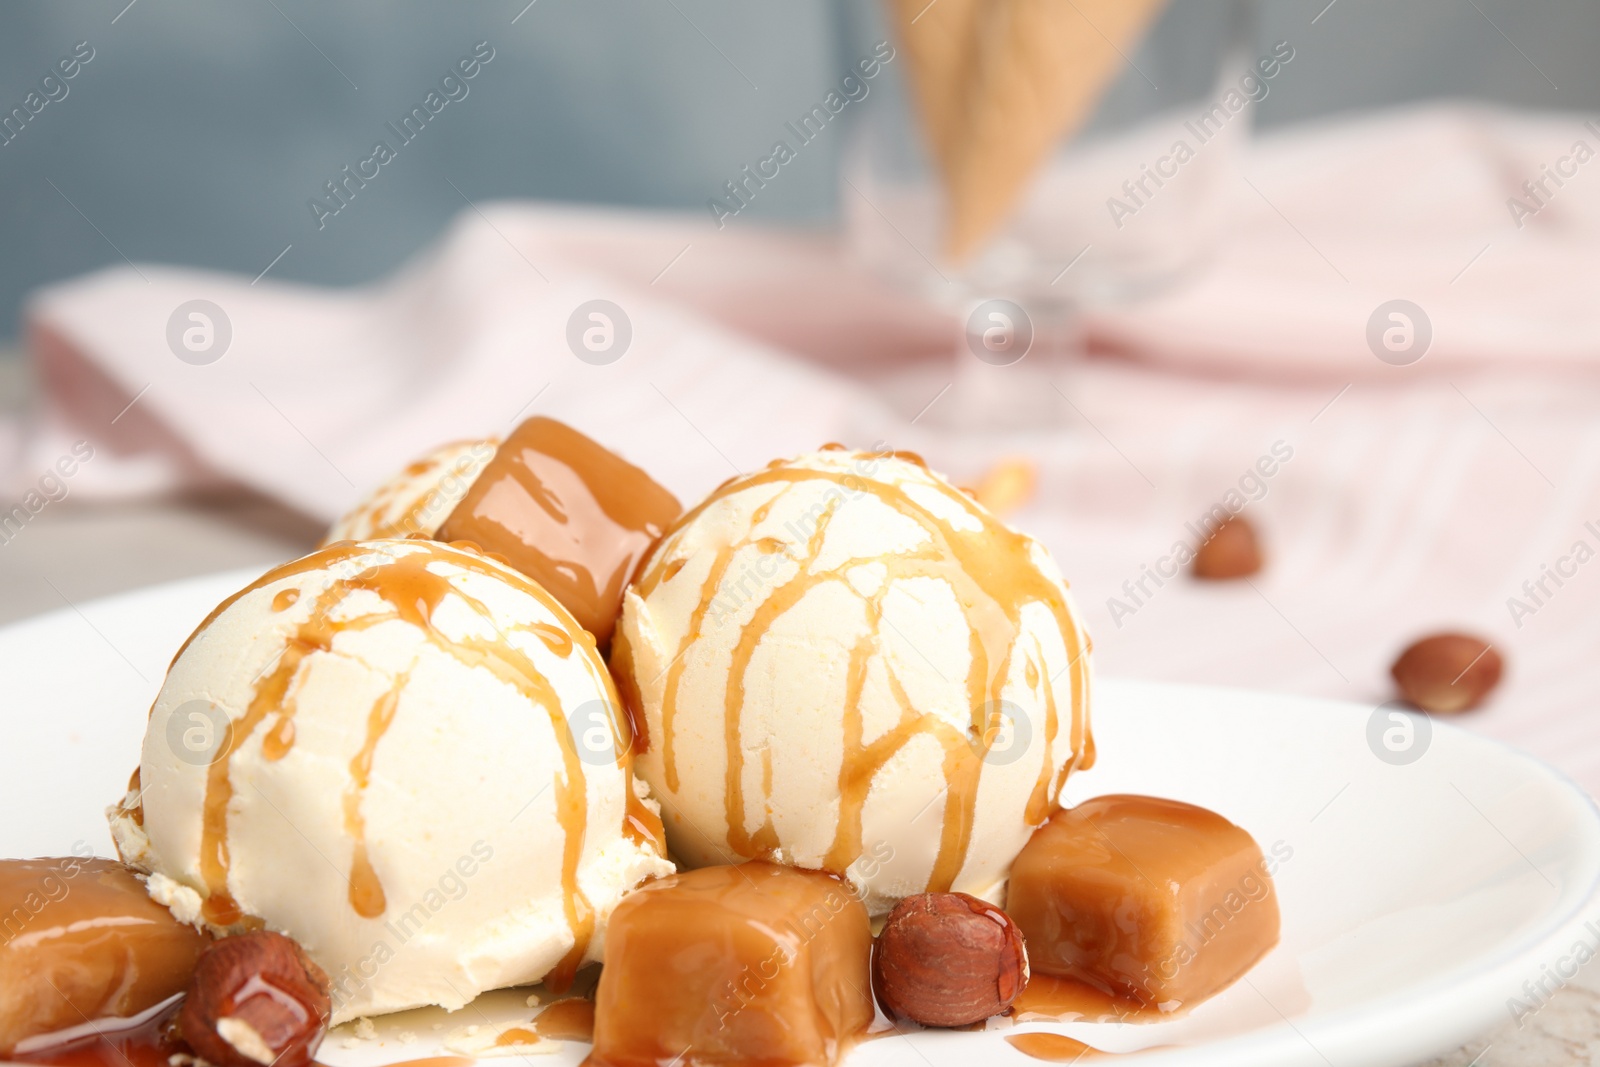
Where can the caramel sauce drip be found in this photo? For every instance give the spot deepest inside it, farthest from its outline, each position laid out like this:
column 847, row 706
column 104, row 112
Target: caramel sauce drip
column 643, row 827
column 411, row 592
column 764, row 842
column 366, row 891
column 1041, row 801
column 270, row 697
column 516, row 1035
column 555, row 638
column 992, row 576
column 285, row 599
column 697, row 620
column 847, row 843
column 628, row 693
column 1053, row 1048
column 566, row 1020
column 279, row 739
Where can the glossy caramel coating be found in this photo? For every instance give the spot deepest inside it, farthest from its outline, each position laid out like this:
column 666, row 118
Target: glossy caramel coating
column 569, row 514
column 81, row 940
column 1153, row 899
column 730, row 965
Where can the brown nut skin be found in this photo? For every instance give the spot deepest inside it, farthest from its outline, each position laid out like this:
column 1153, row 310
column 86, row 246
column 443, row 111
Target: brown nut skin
column 948, row 959
column 265, row 982
column 1448, row 672
column 1232, row 551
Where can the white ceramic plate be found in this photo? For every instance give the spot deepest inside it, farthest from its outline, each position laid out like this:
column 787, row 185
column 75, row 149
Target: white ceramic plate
column 1422, row 902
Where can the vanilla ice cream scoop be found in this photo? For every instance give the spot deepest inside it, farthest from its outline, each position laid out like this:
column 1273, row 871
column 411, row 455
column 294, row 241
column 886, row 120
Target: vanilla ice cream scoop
column 843, row 662
column 406, row 756
column 419, row 498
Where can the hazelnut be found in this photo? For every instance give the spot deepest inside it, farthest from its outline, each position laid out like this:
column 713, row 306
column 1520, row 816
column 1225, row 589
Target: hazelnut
column 1447, row 672
column 255, row 999
column 947, row 959
column 1232, row 551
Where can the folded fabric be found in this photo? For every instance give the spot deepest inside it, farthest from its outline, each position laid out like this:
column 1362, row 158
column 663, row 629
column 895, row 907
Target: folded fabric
column 1487, row 220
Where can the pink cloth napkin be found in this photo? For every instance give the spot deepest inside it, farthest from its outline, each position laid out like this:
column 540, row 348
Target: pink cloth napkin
column 1400, row 499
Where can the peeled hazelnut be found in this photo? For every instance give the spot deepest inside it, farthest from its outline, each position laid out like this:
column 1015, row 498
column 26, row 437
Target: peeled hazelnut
column 1232, row 551
column 1447, row 672
column 947, row 959
column 255, row 999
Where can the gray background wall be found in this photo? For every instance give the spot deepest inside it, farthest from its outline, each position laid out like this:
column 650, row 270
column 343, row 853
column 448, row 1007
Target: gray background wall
column 199, row 130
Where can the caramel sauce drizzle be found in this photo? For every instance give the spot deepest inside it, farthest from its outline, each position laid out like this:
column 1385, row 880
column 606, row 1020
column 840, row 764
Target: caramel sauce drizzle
column 764, row 842
column 697, row 618
column 628, row 692
column 643, row 827
column 555, row 638
column 366, row 891
column 1040, row 801
column 992, row 577
column 410, row 592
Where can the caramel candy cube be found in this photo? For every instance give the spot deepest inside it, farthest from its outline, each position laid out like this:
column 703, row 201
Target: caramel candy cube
column 81, row 940
column 1153, row 899
column 734, row 965
column 569, row 514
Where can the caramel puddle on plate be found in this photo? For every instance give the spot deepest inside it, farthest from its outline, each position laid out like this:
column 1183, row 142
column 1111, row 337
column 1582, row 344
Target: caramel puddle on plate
column 1048, row 998
column 517, row 1035
column 1059, row 1048
column 992, row 576
column 564, row 1020
column 1056, row 1048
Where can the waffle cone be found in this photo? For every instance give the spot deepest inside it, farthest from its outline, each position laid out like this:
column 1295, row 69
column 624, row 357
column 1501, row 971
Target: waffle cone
column 1036, row 69
column 938, row 36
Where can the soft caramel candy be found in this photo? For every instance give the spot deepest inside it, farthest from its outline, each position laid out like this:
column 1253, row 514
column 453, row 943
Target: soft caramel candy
column 734, row 965
column 567, row 513
column 80, row 940
column 1154, row 899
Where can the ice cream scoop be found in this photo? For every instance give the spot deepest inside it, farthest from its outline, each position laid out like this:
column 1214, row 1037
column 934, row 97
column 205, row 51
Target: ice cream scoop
column 419, row 498
column 843, row 662
column 406, row 756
